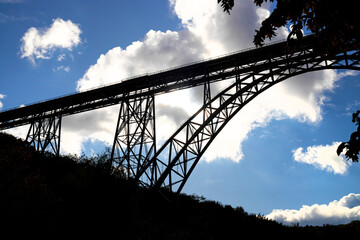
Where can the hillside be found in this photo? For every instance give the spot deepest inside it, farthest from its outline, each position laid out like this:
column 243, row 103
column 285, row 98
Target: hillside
column 71, row 197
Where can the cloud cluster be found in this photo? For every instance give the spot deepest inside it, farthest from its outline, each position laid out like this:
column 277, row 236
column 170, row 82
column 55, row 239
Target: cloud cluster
column 207, row 32
column 336, row 212
column 40, row 43
column 323, row 157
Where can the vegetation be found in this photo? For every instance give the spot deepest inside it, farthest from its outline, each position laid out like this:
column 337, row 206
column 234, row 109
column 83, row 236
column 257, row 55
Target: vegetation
column 335, row 27
column 352, row 147
column 70, row 197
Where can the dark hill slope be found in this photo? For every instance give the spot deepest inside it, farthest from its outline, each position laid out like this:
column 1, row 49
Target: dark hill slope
column 48, row 197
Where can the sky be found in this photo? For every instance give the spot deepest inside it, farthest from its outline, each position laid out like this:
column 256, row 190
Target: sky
column 276, row 158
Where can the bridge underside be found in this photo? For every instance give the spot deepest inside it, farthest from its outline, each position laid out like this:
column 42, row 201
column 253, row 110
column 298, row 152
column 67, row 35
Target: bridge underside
column 134, row 149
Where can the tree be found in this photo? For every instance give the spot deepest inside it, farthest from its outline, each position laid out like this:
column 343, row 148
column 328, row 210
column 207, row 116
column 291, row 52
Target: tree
column 353, row 145
column 335, row 26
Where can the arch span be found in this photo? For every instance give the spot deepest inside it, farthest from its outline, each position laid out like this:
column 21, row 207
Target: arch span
column 174, row 162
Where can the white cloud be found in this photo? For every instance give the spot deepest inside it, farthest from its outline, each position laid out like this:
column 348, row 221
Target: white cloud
column 95, row 125
column 40, row 43
column 61, row 57
column 221, row 33
column 348, row 73
column 1, row 97
column 19, row 132
column 323, row 157
column 159, row 50
column 336, row 212
column 63, row 68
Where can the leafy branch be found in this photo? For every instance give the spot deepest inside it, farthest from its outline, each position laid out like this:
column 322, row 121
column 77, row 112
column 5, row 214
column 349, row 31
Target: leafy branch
column 353, row 145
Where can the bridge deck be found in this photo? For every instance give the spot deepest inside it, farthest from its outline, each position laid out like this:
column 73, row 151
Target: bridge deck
column 170, row 80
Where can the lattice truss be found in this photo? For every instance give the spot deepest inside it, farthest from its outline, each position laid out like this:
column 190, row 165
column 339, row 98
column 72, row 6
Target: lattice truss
column 44, row 134
column 177, row 158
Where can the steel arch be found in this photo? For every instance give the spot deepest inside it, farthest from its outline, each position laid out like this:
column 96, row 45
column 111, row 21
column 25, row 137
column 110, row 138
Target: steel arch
column 185, row 147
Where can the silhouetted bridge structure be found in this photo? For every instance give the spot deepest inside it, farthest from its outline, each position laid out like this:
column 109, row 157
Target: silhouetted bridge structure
column 134, row 149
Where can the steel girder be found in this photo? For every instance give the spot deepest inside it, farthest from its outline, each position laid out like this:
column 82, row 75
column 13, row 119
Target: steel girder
column 135, row 140
column 186, row 76
column 44, row 134
column 177, row 158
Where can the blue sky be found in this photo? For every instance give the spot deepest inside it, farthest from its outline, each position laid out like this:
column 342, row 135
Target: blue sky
column 277, row 157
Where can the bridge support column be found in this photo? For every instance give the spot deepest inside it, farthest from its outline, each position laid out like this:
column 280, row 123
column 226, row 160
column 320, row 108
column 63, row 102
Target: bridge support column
column 44, row 134
column 135, row 141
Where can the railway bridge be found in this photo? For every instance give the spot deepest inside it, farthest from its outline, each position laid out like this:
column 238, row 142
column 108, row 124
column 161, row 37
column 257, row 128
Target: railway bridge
column 134, row 148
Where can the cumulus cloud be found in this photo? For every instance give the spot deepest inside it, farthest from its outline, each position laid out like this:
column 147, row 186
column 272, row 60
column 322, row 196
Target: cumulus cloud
column 222, row 33
column 40, row 43
column 158, row 50
column 336, row 212
column 323, row 157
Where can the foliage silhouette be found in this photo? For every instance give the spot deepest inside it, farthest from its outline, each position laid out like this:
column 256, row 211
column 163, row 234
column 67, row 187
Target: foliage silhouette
column 335, row 25
column 71, row 197
column 353, row 145
column 227, row 5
